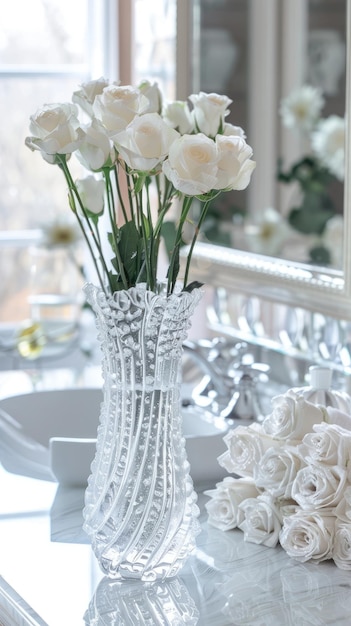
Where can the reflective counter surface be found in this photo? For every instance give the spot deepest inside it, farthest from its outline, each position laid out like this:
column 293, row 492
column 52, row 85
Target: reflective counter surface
column 49, row 576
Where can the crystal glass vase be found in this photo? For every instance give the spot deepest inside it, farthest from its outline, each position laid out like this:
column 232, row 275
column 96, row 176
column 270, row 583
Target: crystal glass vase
column 140, row 505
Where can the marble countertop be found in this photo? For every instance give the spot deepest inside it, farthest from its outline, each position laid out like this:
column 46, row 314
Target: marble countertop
column 50, row 576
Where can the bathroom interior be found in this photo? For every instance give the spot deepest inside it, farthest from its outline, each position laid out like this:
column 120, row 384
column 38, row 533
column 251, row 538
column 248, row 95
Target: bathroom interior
column 275, row 273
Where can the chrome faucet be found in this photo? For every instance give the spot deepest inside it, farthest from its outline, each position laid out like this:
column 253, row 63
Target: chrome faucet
column 228, row 387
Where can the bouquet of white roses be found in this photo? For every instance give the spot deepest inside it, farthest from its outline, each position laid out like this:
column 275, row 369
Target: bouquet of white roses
column 129, row 140
column 322, row 167
column 294, row 484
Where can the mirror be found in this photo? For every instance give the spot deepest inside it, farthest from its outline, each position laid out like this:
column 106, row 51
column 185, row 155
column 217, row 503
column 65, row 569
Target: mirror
column 312, row 286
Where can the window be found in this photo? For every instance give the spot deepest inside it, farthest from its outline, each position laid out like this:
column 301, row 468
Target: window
column 47, row 48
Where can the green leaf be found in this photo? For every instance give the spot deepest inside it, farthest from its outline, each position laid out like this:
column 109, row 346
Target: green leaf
column 174, row 266
column 129, row 241
column 319, row 255
column 309, row 220
column 168, row 232
column 194, row 285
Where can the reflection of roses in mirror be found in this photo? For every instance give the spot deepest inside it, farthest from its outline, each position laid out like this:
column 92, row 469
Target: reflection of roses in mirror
column 318, row 173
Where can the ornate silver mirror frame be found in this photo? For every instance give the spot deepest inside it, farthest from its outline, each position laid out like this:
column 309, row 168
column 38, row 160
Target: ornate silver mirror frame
column 295, row 284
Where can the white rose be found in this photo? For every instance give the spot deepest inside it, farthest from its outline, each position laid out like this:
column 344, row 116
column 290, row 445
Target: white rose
column 277, row 469
column 329, row 444
column 223, row 508
column 342, row 545
column 230, row 129
column 177, row 114
column 92, row 193
column 85, row 96
column 246, row 446
column 317, row 486
column 192, row 164
column 234, row 163
column 308, row 535
column 146, row 141
column 338, row 417
column 262, row 520
column 343, row 509
column 292, row 417
column 117, row 106
column 55, row 130
column 96, row 149
column 152, row 92
column 210, row 110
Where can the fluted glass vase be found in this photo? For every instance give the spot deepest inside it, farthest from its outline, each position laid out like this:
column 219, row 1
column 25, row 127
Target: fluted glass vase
column 140, row 506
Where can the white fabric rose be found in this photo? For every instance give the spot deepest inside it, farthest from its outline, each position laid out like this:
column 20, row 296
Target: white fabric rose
column 96, row 149
column 55, row 130
column 223, row 508
column 318, row 485
column 209, row 112
column 343, row 509
column 329, row 444
column 308, row 535
column 246, row 446
column 342, row 545
column 234, row 163
column 117, row 106
column 85, row 96
column 92, row 193
column 262, row 520
column 292, row 417
column 277, row 470
column 177, row 114
column 192, row 164
column 146, row 141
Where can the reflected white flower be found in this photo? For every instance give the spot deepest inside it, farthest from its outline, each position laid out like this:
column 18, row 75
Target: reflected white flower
column 268, row 234
column 328, row 143
column 302, row 108
column 61, row 233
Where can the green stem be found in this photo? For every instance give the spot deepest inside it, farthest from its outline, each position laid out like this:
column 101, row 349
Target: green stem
column 196, row 233
column 114, row 227
column 175, row 254
column 73, row 192
column 147, row 238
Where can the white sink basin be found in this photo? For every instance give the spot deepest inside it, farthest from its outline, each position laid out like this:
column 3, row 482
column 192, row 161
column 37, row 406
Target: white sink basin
column 51, row 435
